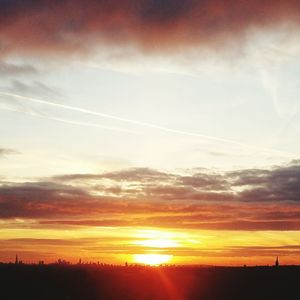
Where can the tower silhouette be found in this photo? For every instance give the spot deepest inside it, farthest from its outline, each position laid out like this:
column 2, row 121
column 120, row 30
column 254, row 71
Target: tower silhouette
column 17, row 259
column 277, row 262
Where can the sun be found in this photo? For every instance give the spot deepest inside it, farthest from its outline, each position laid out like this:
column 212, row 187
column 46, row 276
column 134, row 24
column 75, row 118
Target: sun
column 152, row 259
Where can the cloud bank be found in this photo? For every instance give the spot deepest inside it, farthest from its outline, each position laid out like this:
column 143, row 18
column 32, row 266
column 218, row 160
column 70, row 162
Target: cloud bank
column 256, row 199
column 152, row 25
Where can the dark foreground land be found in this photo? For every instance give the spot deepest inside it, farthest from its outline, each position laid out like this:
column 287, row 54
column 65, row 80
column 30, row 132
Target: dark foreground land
column 57, row 282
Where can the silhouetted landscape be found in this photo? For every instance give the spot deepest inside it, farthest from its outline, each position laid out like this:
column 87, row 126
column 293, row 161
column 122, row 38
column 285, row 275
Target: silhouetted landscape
column 90, row 282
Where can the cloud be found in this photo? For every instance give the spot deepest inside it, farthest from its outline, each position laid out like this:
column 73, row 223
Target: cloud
column 34, row 88
column 279, row 184
column 250, row 185
column 240, row 251
column 5, row 151
column 152, row 25
column 243, row 252
column 133, row 174
column 193, row 221
column 207, row 181
column 254, row 185
column 9, row 69
column 38, row 199
column 240, row 200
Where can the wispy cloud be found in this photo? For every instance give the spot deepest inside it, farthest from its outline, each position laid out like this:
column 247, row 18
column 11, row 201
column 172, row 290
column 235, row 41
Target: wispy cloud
column 7, row 151
column 34, row 88
column 9, row 69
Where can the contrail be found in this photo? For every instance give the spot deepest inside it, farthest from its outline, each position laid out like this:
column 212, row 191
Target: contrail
column 67, row 121
column 144, row 124
column 92, row 125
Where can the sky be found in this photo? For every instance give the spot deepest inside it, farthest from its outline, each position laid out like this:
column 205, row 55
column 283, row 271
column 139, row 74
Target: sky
column 150, row 131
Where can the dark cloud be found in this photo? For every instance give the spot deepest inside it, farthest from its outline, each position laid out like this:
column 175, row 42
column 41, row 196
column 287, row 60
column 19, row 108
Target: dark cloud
column 77, row 25
column 279, row 184
column 38, row 199
column 205, row 181
column 282, row 215
column 147, row 184
column 249, row 177
column 173, row 192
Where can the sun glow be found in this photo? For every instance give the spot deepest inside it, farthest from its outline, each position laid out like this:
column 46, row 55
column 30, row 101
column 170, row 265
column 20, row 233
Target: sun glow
column 156, row 239
column 158, row 243
column 152, row 259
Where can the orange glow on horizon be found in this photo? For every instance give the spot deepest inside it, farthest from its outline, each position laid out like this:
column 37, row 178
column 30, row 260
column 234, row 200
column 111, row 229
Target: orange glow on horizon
column 152, row 259
column 151, row 246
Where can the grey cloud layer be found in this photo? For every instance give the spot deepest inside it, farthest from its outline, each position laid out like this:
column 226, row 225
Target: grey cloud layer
column 280, row 184
column 255, row 185
column 245, row 200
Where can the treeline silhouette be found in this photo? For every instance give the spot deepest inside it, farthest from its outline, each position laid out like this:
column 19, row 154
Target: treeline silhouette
column 89, row 282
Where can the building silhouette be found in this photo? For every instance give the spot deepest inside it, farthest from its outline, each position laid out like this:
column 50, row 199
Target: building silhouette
column 17, row 259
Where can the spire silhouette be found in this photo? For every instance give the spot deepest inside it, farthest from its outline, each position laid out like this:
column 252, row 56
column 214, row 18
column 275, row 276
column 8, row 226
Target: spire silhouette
column 277, row 262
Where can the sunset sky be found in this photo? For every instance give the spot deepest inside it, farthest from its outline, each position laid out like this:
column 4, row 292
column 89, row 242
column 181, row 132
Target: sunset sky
column 142, row 130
